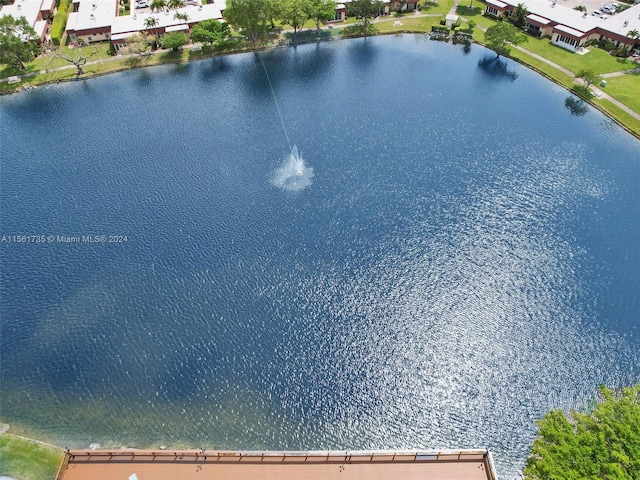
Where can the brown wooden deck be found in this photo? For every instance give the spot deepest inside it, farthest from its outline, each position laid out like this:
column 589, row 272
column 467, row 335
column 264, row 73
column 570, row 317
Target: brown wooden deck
column 210, row 465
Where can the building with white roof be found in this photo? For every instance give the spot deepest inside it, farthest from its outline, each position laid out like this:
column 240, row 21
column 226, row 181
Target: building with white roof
column 569, row 28
column 98, row 20
column 92, row 21
column 36, row 12
column 127, row 25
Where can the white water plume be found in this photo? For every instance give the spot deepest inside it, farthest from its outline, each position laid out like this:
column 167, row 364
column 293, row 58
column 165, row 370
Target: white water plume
column 293, row 174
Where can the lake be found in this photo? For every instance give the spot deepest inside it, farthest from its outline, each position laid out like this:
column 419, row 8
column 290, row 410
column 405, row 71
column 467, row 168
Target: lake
column 451, row 253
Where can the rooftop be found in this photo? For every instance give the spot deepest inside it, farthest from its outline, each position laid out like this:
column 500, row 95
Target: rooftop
column 577, row 20
column 93, row 14
column 136, row 22
column 30, row 10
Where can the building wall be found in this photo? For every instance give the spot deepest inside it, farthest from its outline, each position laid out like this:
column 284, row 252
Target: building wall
column 90, row 36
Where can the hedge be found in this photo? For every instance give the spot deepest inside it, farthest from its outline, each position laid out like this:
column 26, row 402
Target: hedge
column 59, row 22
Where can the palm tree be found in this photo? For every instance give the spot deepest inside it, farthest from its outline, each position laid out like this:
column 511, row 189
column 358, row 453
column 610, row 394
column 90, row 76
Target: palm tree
column 633, row 33
column 183, row 17
column 157, row 5
column 152, row 22
column 175, row 4
column 519, row 15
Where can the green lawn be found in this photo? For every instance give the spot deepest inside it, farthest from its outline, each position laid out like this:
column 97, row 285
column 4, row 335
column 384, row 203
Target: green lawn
column 550, row 71
column 28, row 460
column 623, row 117
column 626, row 89
column 596, row 59
column 415, row 24
column 48, row 60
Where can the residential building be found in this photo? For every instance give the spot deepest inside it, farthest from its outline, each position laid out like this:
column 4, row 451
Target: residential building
column 36, row 12
column 569, row 28
column 91, row 21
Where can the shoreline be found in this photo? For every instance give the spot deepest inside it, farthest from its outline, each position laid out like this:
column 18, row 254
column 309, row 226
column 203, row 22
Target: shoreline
column 211, row 53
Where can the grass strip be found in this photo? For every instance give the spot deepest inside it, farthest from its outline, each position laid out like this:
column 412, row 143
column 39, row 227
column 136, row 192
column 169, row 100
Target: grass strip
column 28, row 460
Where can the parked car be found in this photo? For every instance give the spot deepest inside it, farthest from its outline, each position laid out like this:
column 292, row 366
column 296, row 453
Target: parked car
column 610, row 9
column 142, row 4
column 598, row 13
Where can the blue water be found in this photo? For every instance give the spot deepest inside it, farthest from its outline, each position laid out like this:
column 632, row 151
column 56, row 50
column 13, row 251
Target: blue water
column 460, row 258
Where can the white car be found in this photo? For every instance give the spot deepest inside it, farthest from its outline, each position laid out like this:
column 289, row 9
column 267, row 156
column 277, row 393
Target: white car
column 598, row 13
column 610, row 9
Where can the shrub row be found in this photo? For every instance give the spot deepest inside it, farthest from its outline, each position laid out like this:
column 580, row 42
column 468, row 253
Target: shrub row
column 440, row 28
column 59, row 22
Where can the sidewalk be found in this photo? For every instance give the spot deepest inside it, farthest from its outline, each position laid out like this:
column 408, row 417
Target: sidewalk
column 598, row 93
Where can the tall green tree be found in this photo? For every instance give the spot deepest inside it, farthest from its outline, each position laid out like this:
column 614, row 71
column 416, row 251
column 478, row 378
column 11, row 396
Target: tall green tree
column 18, row 41
column 274, row 11
column 152, row 23
column 253, row 16
column 212, row 32
column 174, row 40
column 322, row 11
column 398, row 5
column 138, row 44
column 295, row 13
column 158, row 5
column 589, row 77
column 175, row 4
column 182, row 16
column 502, row 34
column 519, row 15
column 601, row 444
column 365, row 10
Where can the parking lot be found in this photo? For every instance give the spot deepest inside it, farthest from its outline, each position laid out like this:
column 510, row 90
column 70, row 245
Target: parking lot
column 590, row 4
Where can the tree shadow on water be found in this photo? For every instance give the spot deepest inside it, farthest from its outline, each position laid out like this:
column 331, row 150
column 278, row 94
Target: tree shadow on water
column 363, row 52
column 214, row 67
column 494, row 68
column 576, row 106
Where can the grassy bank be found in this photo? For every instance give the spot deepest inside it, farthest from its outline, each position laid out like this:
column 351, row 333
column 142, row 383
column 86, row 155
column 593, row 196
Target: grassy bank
column 623, row 88
column 28, row 460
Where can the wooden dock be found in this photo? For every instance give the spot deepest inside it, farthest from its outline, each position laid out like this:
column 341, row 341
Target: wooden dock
column 227, row 465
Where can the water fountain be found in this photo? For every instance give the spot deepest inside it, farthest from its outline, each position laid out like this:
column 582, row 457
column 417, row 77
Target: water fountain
column 292, row 175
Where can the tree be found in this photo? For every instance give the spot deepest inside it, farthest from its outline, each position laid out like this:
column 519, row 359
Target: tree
column 365, row 10
column 183, row 17
column 602, row 443
column 295, row 13
column 274, row 11
column 633, row 33
column 322, row 11
column 251, row 15
column 138, row 44
column 157, row 5
column 589, row 76
column 17, row 41
column 398, row 5
column 519, row 15
column 175, row 4
column 500, row 35
column 174, row 40
column 152, row 23
column 78, row 59
column 210, row 31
